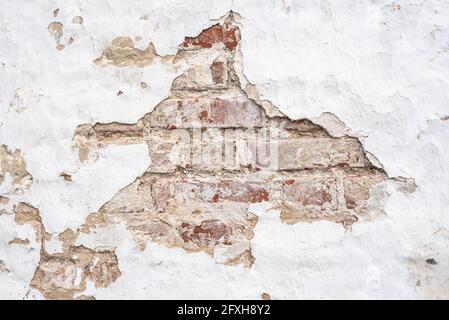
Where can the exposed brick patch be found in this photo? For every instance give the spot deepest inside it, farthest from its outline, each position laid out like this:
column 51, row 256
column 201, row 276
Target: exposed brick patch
column 58, row 275
column 214, row 152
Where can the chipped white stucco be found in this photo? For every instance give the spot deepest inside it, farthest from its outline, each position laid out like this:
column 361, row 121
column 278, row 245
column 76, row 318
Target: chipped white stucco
column 381, row 67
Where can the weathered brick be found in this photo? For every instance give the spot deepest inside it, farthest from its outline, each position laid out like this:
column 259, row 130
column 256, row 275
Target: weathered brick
column 61, row 276
column 117, row 132
column 310, row 197
column 229, row 35
column 218, row 72
column 206, row 38
column 237, row 191
column 312, row 192
column 178, row 191
column 210, row 149
column 193, row 113
column 233, row 149
column 56, row 276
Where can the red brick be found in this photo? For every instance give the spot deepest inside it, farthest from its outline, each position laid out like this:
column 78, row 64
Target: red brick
column 231, row 37
column 202, row 77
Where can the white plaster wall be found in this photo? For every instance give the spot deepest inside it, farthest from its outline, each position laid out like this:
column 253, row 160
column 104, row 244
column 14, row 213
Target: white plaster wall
column 383, row 71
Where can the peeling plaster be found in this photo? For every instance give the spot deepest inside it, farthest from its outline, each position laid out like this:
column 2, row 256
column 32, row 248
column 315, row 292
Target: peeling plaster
column 315, row 66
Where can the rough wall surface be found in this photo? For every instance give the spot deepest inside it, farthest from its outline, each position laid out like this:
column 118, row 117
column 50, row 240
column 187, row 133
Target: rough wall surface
column 224, row 149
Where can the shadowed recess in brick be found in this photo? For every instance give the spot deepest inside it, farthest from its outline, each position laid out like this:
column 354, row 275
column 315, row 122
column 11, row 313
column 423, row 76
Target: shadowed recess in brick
column 214, row 152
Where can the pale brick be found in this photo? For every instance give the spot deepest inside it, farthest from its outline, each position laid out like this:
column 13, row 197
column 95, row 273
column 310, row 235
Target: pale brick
column 312, row 192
